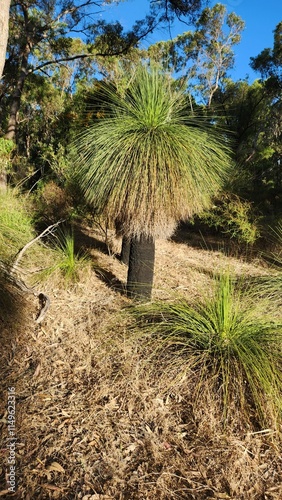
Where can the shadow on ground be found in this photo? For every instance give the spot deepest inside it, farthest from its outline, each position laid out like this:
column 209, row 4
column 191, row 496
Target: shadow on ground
column 212, row 241
column 110, row 280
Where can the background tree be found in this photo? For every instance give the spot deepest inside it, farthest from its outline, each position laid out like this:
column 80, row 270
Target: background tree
column 42, row 36
column 253, row 112
column 206, row 54
column 269, row 61
column 63, row 42
column 146, row 165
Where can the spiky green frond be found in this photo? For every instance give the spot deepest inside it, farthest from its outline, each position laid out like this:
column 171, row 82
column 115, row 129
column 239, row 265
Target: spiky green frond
column 146, row 163
column 226, row 340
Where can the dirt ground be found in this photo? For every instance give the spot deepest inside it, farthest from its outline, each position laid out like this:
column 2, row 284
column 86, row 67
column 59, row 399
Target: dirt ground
column 95, row 419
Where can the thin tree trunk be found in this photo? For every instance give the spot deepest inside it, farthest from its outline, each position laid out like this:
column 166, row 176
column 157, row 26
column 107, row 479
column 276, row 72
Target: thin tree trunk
column 141, row 268
column 125, row 250
column 4, row 32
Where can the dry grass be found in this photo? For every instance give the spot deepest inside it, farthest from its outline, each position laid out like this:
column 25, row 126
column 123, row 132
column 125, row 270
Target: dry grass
column 96, row 420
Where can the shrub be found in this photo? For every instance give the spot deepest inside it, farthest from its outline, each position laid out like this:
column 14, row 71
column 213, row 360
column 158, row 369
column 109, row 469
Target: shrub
column 6, row 148
column 270, row 286
column 51, row 202
column 233, row 217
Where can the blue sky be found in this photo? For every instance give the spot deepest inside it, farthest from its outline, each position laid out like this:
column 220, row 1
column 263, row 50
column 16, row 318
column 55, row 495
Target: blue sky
column 260, row 16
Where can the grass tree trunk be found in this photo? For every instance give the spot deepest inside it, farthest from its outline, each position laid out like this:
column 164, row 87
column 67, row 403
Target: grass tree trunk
column 125, row 250
column 141, row 268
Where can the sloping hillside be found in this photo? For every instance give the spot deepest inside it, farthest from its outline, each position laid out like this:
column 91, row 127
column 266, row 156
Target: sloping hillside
column 98, row 418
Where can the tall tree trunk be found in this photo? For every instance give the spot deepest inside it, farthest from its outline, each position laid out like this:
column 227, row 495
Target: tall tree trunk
column 16, row 97
column 141, row 268
column 125, row 250
column 15, row 106
column 4, row 32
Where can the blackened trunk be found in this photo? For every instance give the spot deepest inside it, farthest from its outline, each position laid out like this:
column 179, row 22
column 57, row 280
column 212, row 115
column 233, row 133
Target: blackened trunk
column 15, row 106
column 141, row 268
column 125, row 250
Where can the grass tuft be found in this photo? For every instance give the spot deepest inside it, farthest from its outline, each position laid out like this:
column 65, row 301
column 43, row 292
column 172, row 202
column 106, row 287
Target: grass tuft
column 68, row 260
column 223, row 340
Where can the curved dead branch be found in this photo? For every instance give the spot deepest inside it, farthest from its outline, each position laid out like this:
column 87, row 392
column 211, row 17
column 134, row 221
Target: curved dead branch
column 11, row 274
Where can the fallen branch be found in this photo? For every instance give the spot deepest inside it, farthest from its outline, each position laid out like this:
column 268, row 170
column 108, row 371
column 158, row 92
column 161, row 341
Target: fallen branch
column 19, row 255
column 44, row 301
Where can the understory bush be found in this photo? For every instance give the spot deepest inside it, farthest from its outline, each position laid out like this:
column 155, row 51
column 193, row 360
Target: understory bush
column 233, row 217
column 6, row 148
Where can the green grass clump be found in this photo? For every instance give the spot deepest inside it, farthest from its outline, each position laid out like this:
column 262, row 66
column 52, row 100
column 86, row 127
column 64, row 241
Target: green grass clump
column 67, row 259
column 16, row 227
column 231, row 349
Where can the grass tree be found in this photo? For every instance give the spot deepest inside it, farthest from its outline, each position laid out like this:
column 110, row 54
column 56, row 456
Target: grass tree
column 147, row 164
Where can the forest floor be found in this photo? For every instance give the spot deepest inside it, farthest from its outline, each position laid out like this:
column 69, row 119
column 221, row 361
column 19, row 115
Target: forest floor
column 96, row 419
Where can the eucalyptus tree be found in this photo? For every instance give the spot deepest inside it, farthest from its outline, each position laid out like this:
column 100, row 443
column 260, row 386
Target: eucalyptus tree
column 269, row 61
column 44, row 35
column 146, row 164
column 206, row 54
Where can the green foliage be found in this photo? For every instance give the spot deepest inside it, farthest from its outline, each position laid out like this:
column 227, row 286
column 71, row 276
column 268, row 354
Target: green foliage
column 16, row 227
column 51, row 202
column 253, row 113
column 232, row 348
column 206, row 54
column 146, row 163
column 6, row 148
column 68, row 260
column 268, row 62
column 235, row 218
column 270, row 285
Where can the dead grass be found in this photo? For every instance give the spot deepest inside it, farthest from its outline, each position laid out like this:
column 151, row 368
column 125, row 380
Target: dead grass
column 96, row 420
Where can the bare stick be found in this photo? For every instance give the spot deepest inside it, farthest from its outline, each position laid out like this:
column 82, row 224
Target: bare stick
column 19, row 255
column 44, row 300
